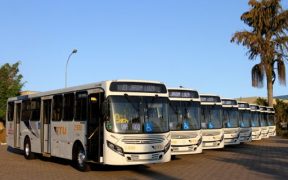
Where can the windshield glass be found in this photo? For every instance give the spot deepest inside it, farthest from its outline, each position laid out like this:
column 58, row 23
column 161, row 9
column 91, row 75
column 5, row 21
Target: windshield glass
column 134, row 114
column 184, row 115
column 211, row 117
column 245, row 117
column 263, row 119
column 230, row 118
column 255, row 119
column 271, row 120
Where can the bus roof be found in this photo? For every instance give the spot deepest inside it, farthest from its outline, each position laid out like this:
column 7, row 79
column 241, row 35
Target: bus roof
column 210, row 99
column 229, row 103
column 254, row 107
column 243, row 105
column 104, row 85
column 183, row 94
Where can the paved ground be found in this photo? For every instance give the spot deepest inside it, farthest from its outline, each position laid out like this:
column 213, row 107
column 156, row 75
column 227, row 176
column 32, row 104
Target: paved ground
column 266, row 159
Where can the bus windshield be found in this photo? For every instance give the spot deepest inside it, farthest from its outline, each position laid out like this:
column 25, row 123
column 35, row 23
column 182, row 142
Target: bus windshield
column 271, row 121
column 263, row 119
column 245, row 117
column 211, row 117
column 138, row 114
column 255, row 119
column 184, row 115
column 230, row 118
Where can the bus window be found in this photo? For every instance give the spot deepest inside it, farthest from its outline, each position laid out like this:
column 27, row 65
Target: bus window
column 57, row 108
column 68, row 107
column 26, row 110
column 81, row 106
column 35, row 109
column 10, row 111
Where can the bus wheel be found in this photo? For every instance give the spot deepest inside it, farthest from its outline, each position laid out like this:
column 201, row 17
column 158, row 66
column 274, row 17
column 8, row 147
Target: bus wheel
column 27, row 149
column 80, row 159
column 173, row 157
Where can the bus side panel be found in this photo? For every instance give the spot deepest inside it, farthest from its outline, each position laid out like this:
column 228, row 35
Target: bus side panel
column 58, row 133
column 35, row 136
column 63, row 136
column 30, row 129
column 10, row 133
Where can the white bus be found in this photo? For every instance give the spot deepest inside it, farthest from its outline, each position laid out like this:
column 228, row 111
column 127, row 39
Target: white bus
column 271, row 121
column 184, row 121
column 121, row 122
column 244, row 122
column 211, row 122
column 255, row 122
column 230, row 121
column 263, row 122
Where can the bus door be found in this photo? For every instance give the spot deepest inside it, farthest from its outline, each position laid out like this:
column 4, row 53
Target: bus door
column 95, row 125
column 45, row 125
column 17, row 117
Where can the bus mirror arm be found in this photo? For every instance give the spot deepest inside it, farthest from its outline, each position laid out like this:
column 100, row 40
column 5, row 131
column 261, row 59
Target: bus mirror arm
column 105, row 110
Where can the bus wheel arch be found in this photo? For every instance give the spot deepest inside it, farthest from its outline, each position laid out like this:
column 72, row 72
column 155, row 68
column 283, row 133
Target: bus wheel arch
column 27, row 148
column 79, row 157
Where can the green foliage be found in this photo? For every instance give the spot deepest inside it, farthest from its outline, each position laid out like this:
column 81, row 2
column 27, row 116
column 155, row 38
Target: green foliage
column 10, row 84
column 281, row 113
column 267, row 39
column 261, row 101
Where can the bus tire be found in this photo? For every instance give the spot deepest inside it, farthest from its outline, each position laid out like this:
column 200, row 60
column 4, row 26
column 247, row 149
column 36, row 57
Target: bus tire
column 27, row 149
column 79, row 158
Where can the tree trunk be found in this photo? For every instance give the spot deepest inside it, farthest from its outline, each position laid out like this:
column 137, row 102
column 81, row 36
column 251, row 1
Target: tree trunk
column 269, row 86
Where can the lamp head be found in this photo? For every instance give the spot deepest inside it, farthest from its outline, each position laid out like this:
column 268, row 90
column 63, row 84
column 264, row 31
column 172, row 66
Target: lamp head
column 74, row 51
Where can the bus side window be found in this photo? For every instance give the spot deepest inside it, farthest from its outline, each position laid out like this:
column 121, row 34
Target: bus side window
column 57, row 107
column 10, row 111
column 35, row 109
column 81, row 106
column 26, row 110
column 68, row 107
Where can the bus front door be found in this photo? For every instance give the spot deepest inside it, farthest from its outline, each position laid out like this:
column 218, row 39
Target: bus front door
column 17, row 125
column 45, row 127
column 95, row 127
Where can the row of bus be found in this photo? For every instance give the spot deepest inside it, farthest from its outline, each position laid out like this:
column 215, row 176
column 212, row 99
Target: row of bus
column 128, row 122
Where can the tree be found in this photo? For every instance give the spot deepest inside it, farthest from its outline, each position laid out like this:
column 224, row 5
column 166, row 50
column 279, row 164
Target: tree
column 267, row 40
column 10, row 85
column 261, row 101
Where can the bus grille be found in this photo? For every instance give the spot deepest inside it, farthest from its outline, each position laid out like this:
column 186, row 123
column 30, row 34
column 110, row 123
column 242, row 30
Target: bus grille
column 245, row 130
column 138, row 140
column 230, row 131
column 215, row 133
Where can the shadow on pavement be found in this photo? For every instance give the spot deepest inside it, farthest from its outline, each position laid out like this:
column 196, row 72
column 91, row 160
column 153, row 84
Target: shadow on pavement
column 261, row 158
column 140, row 169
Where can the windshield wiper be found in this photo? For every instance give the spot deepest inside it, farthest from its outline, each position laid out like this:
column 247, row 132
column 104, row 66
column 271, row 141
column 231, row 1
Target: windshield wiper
column 134, row 107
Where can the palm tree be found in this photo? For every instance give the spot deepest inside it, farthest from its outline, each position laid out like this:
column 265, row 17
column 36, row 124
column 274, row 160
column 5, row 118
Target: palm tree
column 266, row 39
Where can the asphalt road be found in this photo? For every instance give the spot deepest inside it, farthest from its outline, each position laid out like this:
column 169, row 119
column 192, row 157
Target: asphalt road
column 265, row 159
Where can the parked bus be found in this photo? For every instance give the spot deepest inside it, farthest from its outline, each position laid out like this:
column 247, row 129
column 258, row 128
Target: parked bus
column 121, row 122
column 230, row 121
column 184, row 121
column 271, row 121
column 211, row 122
column 245, row 126
column 255, row 122
column 263, row 122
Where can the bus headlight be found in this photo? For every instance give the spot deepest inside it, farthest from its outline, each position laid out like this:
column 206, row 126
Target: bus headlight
column 238, row 135
column 115, row 148
column 167, row 147
column 222, row 137
column 199, row 141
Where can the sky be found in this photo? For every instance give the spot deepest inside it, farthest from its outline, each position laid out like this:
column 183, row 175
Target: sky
column 181, row 43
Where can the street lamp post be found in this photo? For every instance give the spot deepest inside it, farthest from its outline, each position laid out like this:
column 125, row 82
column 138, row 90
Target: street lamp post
column 73, row 52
